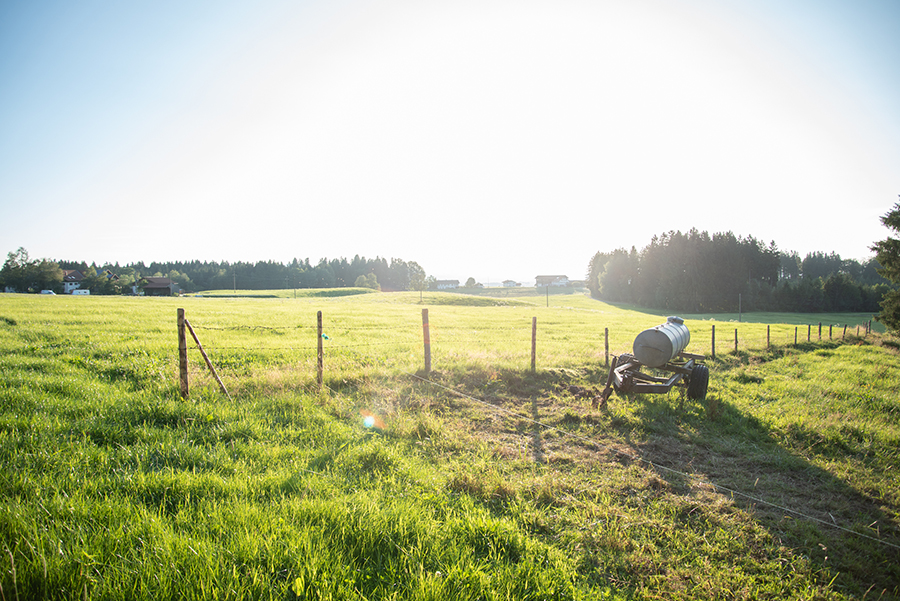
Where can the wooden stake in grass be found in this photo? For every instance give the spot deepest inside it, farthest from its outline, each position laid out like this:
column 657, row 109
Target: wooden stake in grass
column 320, row 355
column 713, row 350
column 606, row 345
column 795, row 335
column 735, row 341
column 427, row 336
column 182, row 356
column 768, row 336
column 533, row 344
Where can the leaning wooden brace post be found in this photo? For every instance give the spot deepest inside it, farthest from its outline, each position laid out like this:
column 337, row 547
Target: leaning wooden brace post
column 182, row 356
column 533, row 344
column 206, row 358
column 320, row 355
column 427, row 336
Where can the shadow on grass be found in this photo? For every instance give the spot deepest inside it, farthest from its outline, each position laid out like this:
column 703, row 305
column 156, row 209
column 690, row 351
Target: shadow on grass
column 805, row 507
column 798, row 503
column 793, row 500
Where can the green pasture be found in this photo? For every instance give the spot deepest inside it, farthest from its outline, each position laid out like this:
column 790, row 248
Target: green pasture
column 480, row 480
column 284, row 293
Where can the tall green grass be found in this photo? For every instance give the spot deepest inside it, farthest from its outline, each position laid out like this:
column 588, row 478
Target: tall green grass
column 491, row 482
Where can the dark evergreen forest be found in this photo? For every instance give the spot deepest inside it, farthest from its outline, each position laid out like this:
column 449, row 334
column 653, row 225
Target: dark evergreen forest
column 194, row 276
column 701, row 273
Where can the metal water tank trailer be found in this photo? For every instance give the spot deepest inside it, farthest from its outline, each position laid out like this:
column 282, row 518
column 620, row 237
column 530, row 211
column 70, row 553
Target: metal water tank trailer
column 657, row 346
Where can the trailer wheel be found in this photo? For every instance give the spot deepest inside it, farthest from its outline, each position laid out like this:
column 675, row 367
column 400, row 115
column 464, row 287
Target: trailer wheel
column 699, row 382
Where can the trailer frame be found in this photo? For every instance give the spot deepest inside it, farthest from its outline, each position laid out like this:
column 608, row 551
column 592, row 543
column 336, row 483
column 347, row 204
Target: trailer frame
column 625, row 376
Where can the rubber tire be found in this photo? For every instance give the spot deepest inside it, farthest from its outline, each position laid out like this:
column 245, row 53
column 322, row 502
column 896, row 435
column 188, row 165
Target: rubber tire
column 699, row 382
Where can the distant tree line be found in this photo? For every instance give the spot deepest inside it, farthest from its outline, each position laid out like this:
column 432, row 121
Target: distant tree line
column 701, row 273
column 22, row 274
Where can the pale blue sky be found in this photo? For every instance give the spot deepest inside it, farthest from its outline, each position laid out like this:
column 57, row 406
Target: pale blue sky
column 492, row 138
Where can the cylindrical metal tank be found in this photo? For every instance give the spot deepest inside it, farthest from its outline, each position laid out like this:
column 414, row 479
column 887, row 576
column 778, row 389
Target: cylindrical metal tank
column 657, row 346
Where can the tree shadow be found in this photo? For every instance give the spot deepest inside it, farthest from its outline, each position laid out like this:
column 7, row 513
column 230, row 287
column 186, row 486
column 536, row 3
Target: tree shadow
column 697, row 450
column 708, row 453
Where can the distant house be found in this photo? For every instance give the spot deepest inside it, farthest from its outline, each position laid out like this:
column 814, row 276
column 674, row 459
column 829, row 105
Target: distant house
column 155, row 287
column 446, row 284
column 71, row 280
column 542, row 281
column 510, row 283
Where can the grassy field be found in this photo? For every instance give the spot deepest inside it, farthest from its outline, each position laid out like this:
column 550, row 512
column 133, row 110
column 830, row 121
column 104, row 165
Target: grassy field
column 482, row 480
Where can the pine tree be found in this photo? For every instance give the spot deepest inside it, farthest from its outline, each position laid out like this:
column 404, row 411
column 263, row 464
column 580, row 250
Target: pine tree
column 888, row 255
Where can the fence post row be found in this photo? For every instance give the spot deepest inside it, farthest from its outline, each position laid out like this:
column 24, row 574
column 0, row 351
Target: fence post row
column 184, row 326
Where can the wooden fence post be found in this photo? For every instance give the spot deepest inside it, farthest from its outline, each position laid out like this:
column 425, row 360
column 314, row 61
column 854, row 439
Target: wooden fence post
column 427, row 337
column 844, row 335
column 808, row 332
column 768, row 336
column 829, row 331
column 606, row 344
column 533, row 344
column 182, row 356
column 735, row 341
column 795, row 335
column 320, row 355
column 820, row 331
column 713, row 353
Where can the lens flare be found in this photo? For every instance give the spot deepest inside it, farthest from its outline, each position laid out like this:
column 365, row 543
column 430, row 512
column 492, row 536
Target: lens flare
column 370, row 420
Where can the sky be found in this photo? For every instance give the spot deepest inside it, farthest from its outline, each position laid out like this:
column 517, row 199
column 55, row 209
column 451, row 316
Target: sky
column 494, row 139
